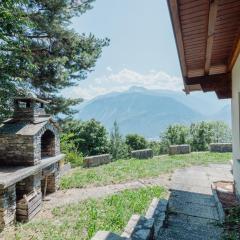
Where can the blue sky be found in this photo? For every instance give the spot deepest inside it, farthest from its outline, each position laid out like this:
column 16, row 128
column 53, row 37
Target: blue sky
column 142, row 50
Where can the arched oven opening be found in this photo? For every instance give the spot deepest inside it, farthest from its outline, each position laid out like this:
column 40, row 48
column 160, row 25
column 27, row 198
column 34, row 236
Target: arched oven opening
column 48, row 144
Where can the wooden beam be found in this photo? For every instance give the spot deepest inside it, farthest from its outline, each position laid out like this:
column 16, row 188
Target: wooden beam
column 211, row 26
column 220, row 83
column 174, row 14
column 216, row 78
column 235, row 53
column 224, row 94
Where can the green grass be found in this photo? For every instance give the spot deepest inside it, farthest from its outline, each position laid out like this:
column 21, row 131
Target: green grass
column 232, row 224
column 81, row 221
column 126, row 170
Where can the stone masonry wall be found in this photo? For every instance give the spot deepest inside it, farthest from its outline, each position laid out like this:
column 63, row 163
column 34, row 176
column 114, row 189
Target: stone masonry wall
column 142, row 154
column 16, row 150
column 220, row 147
column 179, row 149
column 94, row 161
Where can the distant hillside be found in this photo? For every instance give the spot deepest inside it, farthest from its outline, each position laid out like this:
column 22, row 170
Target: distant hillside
column 149, row 112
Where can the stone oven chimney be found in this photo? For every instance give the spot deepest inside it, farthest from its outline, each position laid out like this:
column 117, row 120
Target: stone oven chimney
column 28, row 109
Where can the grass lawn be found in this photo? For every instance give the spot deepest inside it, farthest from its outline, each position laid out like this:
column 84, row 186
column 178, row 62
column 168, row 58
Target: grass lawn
column 81, row 221
column 126, row 170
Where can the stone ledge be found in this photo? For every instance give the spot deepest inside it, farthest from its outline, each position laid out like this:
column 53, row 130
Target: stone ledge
column 11, row 175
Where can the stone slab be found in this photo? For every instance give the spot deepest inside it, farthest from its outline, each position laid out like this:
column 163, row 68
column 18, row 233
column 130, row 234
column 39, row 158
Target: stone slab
column 193, row 209
column 11, row 175
column 190, row 197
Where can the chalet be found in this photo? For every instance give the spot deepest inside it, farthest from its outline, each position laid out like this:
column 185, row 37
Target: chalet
column 207, row 35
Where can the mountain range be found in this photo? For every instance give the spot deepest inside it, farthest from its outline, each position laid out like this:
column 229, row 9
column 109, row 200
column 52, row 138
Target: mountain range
column 149, row 112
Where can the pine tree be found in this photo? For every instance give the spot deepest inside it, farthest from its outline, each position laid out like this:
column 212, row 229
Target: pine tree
column 118, row 148
column 41, row 53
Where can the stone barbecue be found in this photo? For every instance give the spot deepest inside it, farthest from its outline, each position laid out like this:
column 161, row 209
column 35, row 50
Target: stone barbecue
column 29, row 160
column 30, row 136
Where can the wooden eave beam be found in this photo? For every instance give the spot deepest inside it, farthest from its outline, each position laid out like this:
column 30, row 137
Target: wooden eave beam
column 220, row 83
column 175, row 19
column 235, row 53
column 224, row 94
column 216, row 78
column 211, row 26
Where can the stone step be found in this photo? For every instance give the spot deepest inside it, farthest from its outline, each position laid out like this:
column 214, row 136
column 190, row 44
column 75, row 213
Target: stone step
column 176, row 234
column 182, row 218
column 202, row 230
column 157, row 211
column 139, row 228
column 193, row 209
column 132, row 223
column 190, row 197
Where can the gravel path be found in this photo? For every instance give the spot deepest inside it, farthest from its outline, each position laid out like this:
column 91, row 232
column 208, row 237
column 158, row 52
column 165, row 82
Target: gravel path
column 75, row 195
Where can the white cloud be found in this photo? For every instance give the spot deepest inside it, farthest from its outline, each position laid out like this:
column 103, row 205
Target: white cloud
column 122, row 81
column 109, row 69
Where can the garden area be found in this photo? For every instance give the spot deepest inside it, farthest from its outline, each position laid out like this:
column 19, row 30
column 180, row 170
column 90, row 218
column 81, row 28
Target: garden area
column 134, row 169
column 81, row 220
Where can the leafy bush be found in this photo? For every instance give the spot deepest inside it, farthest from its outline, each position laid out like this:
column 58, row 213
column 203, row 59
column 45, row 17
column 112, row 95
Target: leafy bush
column 158, row 147
column 175, row 134
column 198, row 135
column 68, row 147
column 221, row 133
column 89, row 137
column 201, row 136
column 118, row 148
column 136, row 142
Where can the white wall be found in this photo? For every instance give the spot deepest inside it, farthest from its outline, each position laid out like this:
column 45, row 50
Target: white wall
column 236, row 122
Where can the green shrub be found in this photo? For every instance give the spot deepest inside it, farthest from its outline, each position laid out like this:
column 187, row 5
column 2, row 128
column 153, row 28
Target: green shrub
column 175, row 134
column 136, row 142
column 76, row 159
column 88, row 137
column 72, row 155
column 198, row 135
column 118, row 147
column 158, row 147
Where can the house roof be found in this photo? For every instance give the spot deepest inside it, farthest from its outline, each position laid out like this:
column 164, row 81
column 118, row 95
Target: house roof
column 207, row 34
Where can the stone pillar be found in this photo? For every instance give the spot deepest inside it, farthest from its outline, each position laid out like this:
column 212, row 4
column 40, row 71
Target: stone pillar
column 7, row 206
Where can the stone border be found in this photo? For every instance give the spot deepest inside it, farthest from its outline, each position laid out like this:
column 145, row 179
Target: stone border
column 97, row 160
column 219, row 205
column 220, row 147
column 142, row 154
column 179, row 149
column 158, row 211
